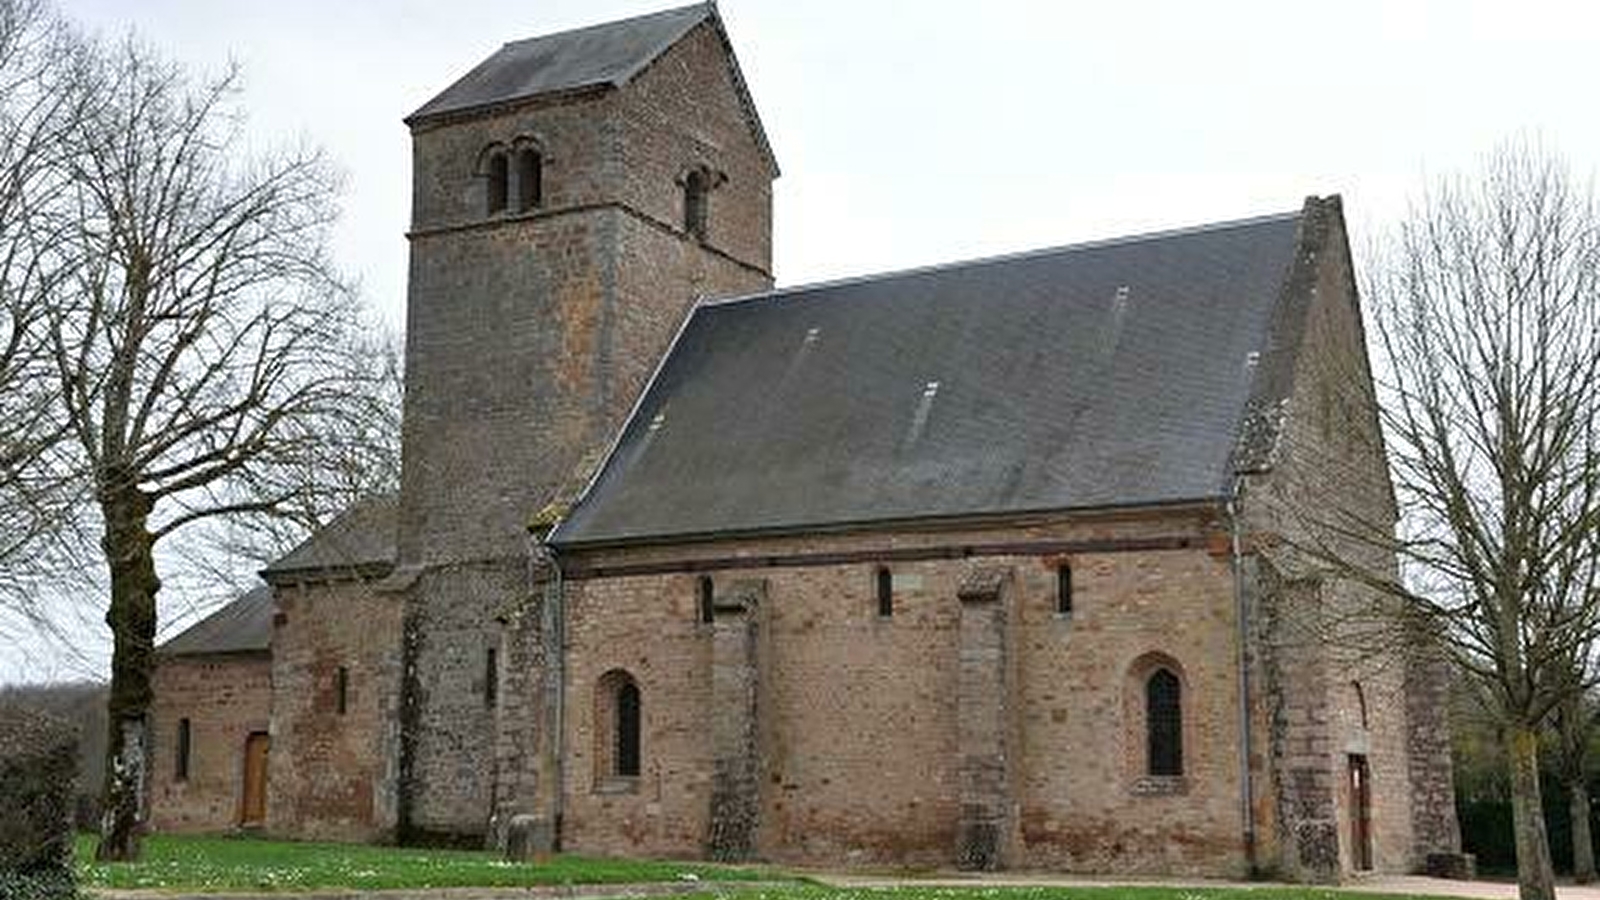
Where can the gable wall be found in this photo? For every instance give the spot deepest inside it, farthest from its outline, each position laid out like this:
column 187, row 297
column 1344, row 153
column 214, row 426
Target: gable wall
column 225, row 698
column 860, row 718
column 1317, row 643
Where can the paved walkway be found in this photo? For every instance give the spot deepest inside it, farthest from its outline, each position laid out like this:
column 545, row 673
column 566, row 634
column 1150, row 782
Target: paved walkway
column 1377, row 884
column 1386, row 884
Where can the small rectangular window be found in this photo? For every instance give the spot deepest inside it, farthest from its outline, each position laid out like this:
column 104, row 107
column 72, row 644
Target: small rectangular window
column 181, row 772
column 708, row 600
column 491, row 679
column 1064, row 590
column 341, row 690
column 885, row 592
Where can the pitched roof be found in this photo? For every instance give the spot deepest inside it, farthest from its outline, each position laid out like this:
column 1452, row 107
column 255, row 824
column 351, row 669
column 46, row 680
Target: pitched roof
column 362, row 536
column 610, row 53
column 243, row 626
column 1107, row 374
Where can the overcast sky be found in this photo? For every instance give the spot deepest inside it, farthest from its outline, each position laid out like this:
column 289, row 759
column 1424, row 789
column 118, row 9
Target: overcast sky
column 921, row 132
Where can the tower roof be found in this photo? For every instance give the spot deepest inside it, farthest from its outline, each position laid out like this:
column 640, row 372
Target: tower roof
column 1113, row 374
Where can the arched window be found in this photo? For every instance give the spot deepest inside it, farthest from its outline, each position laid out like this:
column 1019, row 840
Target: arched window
column 885, row 584
column 696, row 191
column 627, row 758
column 497, row 173
column 1163, row 704
column 530, row 179
column 618, row 720
column 1064, row 589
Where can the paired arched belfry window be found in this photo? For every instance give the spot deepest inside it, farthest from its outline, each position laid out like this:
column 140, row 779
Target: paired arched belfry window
column 513, row 177
column 1163, row 704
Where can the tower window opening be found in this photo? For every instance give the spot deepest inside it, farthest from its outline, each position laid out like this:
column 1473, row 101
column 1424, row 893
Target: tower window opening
column 498, row 175
column 696, row 188
column 1064, row 589
column 885, row 584
column 530, row 179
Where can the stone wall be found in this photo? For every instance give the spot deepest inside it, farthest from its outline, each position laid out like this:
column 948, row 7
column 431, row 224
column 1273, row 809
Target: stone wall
column 860, row 724
column 1334, row 668
column 225, row 698
column 529, row 334
column 334, row 772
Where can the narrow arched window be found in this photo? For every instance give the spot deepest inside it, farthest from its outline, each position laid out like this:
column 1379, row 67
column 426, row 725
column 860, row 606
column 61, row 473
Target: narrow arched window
column 181, row 770
column 885, row 585
column 1163, row 699
column 696, row 187
column 498, row 173
column 708, row 600
column 341, row 691
column 626, row 760
column 1064, row 589
column 530, row 179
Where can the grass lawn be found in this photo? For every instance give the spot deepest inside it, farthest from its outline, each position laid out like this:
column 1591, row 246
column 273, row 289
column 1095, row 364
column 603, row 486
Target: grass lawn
column 208, row 864
column 248, row 864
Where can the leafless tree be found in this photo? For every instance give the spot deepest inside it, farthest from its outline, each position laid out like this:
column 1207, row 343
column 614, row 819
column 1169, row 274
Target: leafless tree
column 1486, row 307
column 39, row 64
column 202, row 350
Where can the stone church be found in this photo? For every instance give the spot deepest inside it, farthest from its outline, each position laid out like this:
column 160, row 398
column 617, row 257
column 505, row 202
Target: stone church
column 987, row 564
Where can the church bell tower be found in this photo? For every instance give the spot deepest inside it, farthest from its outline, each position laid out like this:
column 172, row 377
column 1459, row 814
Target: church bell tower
column 573, row 196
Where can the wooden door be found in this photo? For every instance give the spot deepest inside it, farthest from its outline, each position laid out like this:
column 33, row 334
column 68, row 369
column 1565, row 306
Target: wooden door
column 1360, row 813
column 253, row 796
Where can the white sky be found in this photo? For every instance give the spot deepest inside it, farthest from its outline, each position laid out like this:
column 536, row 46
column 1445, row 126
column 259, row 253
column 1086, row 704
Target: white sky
column 920, row 132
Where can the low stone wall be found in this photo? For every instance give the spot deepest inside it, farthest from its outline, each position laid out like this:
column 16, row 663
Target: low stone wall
column 38, row 767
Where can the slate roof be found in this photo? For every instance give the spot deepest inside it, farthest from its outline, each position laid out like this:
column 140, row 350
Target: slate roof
column 362, row 536
column 1107, row 374
column 243, row 626
column 605, row 55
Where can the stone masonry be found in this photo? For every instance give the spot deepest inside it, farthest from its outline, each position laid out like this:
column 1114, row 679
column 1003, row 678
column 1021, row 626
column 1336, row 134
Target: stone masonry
column 225, row 698
column 529, row 334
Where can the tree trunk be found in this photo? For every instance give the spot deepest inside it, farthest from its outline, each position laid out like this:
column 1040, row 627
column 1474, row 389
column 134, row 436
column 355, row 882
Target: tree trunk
column 1582, row 840
column 128, row 546
column 1535, row 878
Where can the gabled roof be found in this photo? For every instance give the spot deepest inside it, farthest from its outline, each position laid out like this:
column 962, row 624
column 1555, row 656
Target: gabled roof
column 610, row 53
column 361, row 537
column 1109, row 374
column 243, row 626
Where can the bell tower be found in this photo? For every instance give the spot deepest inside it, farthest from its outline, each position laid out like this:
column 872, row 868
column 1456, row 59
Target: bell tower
column 573, row 196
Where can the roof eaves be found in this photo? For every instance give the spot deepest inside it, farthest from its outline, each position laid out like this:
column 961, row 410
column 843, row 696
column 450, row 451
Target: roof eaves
column 934, row 522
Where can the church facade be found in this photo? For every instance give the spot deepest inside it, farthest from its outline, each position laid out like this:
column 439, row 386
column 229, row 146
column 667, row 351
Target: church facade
column 986, row 565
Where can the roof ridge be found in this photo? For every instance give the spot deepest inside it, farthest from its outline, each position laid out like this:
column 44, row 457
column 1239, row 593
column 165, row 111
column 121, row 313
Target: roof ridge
column 1015, row 256
column 610, row 23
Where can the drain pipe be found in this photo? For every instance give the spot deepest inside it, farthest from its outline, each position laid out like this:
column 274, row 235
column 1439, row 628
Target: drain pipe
column 1241, row 613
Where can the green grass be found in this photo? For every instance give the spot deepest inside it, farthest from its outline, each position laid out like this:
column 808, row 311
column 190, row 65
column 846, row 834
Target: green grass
column 204, row 864
column 1130, row 892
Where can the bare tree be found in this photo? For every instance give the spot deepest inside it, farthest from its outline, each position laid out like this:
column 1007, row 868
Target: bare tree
column 39, row 65
column 202, row 350
column 1486, row 306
